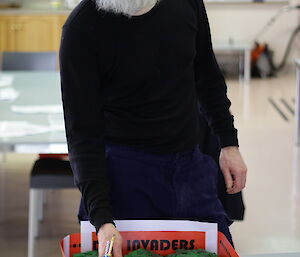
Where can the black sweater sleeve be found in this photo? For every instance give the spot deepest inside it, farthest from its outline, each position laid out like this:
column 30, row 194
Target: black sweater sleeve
column 83, row 112
column 211, row 86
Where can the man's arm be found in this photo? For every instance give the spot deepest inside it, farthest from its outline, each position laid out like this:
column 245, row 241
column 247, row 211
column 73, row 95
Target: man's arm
column 84, row 123
column 214, row 104
column 211, row 86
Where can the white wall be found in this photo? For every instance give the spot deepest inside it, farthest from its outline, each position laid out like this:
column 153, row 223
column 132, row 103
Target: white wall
column 242, row 22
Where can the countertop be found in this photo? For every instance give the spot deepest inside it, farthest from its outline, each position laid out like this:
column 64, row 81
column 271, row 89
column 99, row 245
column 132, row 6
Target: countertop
column 37, row 11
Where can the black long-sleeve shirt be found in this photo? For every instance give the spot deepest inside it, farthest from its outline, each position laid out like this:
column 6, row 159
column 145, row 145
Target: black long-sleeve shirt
column 137, row 82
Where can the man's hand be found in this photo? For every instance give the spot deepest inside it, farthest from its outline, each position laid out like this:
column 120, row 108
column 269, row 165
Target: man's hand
column 105, row 234
column 233, row 169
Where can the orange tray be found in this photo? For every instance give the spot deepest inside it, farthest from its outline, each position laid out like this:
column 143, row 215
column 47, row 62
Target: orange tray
column 160, row 242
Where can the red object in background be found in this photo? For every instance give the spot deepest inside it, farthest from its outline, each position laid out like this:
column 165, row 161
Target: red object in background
column 256, row 52
column 54, row 156
column 225, row 249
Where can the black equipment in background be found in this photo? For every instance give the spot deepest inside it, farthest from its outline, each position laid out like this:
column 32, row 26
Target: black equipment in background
column 262, row 64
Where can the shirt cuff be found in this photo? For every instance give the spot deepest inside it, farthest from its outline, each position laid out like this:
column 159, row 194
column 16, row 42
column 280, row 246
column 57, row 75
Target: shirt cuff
column 228, row 138
column 100, row 217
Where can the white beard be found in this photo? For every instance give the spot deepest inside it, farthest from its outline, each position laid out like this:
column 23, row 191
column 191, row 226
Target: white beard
column 126, row 7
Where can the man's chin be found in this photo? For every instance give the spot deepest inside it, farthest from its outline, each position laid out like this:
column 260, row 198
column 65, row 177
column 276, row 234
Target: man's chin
column 125, row 7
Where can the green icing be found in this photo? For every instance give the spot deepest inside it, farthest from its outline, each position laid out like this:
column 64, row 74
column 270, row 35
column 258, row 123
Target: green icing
column 141, row 253
column 145, row 253
column 192, row 253
column 87, row 254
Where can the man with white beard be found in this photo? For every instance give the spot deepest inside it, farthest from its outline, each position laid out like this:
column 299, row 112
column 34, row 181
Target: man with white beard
column 128, row 8
column 133, row 74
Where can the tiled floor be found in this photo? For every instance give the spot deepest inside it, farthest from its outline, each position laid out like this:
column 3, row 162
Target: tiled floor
column 272, row 196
